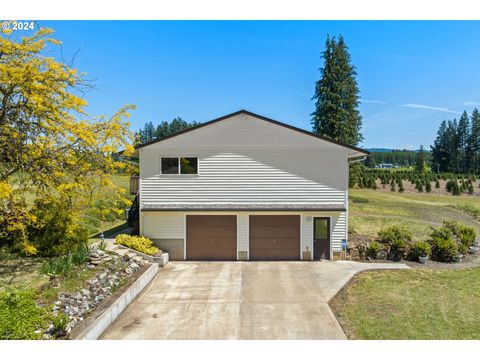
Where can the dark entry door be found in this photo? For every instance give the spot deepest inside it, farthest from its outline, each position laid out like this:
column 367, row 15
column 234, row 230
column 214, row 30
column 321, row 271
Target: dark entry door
column 321, row 238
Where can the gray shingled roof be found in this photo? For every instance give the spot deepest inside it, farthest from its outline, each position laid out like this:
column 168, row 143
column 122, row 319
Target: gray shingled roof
column 243, row 207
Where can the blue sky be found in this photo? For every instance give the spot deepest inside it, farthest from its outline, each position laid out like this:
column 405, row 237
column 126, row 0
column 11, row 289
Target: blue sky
column 412, row 75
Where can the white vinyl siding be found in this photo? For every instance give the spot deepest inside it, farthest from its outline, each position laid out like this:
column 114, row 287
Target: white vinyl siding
column 163, row 225
column 246, row 160
column 339, row 231
column 250, row 176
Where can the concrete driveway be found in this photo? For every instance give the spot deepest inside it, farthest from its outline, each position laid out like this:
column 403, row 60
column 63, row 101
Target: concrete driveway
column 239, row 300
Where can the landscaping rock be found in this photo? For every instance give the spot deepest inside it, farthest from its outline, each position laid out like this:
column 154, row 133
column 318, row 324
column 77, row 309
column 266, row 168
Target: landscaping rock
column 78, row 304
column 382, row 254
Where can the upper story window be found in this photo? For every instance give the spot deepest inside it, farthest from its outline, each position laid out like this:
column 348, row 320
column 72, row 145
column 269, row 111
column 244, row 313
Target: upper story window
column 179, row 165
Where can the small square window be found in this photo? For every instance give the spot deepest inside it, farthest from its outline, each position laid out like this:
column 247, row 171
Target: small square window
column 188, row 165
column 170, row 165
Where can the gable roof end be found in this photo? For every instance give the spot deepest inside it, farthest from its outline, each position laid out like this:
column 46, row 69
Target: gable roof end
column 355, row 153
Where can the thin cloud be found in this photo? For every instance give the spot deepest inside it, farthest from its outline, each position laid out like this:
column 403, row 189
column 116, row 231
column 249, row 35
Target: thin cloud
column 428, row 107
column 471, row 103
column 373, row 101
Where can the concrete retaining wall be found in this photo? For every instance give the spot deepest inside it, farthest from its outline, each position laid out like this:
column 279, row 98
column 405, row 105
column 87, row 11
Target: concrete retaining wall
column 102, row 322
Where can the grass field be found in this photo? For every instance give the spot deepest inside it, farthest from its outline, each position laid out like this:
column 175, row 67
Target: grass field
column 371, row 210
column 411, row 304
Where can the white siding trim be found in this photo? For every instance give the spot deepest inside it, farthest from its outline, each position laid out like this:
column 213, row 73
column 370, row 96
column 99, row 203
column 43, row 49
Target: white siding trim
column 185, row 236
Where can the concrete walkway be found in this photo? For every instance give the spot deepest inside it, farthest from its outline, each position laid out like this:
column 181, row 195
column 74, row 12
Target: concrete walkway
column 240, row 300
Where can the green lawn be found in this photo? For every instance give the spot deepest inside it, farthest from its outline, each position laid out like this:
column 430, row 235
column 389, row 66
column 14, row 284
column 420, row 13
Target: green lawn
column 371, row 210
column 411, row 304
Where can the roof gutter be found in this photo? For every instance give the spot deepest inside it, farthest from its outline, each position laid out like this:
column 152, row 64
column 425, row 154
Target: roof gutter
column 357, row 159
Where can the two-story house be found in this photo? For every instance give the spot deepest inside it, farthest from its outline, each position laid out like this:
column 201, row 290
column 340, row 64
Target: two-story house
column 245, row 187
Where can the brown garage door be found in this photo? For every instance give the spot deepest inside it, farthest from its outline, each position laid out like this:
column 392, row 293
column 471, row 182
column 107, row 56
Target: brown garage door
column 274, row 237
column 211, row 237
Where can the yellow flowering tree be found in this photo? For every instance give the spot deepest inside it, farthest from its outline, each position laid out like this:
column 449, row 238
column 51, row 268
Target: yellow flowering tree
column 49, row 145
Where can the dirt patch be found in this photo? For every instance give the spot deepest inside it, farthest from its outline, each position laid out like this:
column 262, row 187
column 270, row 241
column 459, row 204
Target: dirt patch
column 410, row 188
column 16, row 270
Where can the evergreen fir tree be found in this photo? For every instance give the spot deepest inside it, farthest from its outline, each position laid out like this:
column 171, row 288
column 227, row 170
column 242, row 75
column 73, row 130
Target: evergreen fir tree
column 428, row 186
column 162, row 130
column 336, row 96
column 474, row 142
column 419, row 186
column 437, row 184
column 420, row 161
column 439, row 149
column 392, row 185
column 463, row 137
column 455, row 188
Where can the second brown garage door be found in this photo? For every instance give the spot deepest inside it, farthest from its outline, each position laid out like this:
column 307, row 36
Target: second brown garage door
column 211, row 237
column 274, row 237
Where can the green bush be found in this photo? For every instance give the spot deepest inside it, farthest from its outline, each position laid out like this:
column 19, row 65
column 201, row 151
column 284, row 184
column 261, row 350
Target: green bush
column 373, row 249
column 21, row 317
column 467, row 235
column 463, row 249
column 395, row 234
column 419, row 248
column 138, row 243
column 444, row 247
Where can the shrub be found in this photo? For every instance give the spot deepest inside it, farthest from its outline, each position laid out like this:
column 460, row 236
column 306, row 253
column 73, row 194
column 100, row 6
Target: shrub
column 395, row 234
column 467, row 235
column 462, row 234
column 462, row 248
column 419, row 248
column 444, row 247
column 138, row 243
column 21, row 317
column 373, row 249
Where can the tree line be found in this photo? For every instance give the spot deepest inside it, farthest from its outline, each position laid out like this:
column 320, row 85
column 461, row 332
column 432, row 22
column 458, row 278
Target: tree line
column 402, row 158
column 150, row 132
column 457, row 146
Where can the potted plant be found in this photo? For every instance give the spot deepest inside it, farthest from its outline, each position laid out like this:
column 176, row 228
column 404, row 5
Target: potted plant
column 422, row 259
column 419, row 251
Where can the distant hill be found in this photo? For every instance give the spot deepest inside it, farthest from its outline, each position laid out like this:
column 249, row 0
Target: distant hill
column 379, row 150
column 386, row 150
